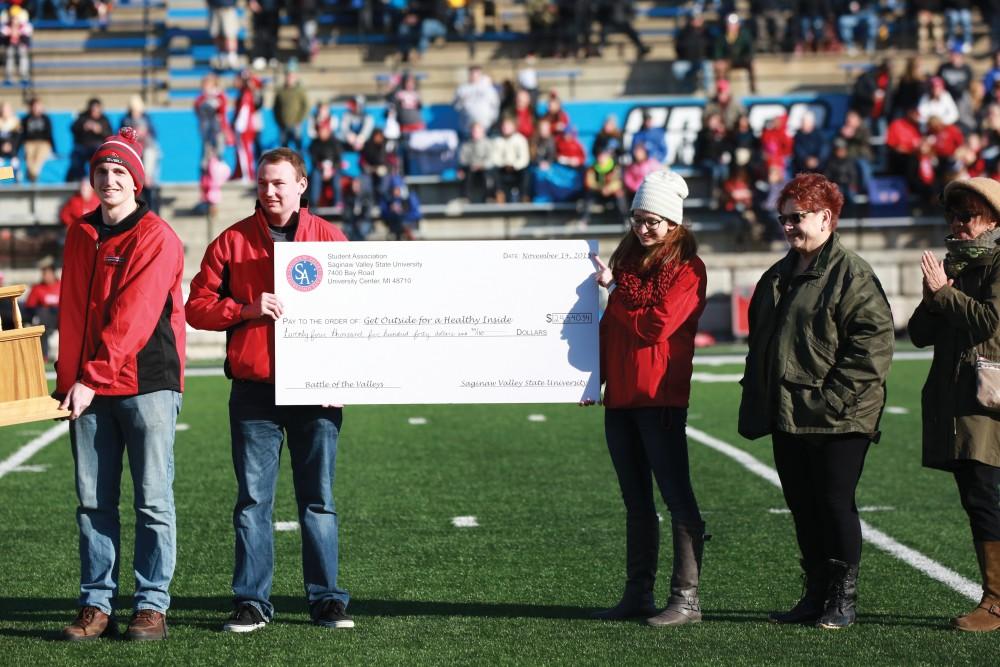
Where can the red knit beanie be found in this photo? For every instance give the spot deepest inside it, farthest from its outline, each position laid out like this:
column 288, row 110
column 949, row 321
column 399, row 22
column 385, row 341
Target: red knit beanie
column 124, row 150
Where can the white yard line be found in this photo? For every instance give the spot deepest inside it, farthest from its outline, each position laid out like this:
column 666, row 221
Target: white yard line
column 286, row 526
column 716, row 377
column 730, row 359
column 18, row 458
column 911, row 557
column 464, row 522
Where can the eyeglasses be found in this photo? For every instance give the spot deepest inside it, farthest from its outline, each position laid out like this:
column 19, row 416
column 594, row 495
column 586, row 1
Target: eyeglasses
column 793, row 218
column 650, row 223
column 963, row 217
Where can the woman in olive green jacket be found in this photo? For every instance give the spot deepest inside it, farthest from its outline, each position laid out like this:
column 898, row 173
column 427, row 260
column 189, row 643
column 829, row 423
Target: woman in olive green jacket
column 960, row 317
column 821, row 340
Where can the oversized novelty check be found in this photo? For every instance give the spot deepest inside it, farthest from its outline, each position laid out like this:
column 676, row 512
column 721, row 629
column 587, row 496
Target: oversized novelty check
column 436, row 322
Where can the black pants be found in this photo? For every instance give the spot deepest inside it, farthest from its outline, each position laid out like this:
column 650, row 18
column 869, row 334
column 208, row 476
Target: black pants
column 819, row 475
column 979, row 489
column 265, row 34
column 648, row 443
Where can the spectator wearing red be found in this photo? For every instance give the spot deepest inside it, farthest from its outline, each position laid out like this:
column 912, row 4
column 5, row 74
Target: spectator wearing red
column 870, row 95
column 776, row 143
column 80, row 203
column 211, row 108
column 569, row 150
column 905, row 142
column 42, row 303
column 247, row 124
column 524, row 114
column 904, row 135
column 556, row 115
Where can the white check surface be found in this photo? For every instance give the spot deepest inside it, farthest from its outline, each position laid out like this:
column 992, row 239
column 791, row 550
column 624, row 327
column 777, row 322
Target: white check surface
column 436, row 322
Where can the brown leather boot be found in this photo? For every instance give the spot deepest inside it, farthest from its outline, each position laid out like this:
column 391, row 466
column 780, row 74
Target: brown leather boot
column 985, row 617
column 147, row 625
column 91, row 623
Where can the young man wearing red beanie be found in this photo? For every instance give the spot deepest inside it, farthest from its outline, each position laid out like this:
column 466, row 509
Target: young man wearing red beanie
column 234, row 292
column 120, row 374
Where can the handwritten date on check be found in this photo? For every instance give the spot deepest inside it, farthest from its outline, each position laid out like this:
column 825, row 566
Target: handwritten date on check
column 436, row 322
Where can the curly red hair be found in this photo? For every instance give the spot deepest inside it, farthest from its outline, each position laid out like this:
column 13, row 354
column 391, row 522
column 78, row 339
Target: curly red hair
column 813, row 192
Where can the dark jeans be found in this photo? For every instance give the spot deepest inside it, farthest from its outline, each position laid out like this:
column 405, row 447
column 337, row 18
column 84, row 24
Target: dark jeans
column 258, row 429
column 509, row 181
column 478, row 185
column 979, row 489
column 265, row 33
column 819, row 475
column 647, row 444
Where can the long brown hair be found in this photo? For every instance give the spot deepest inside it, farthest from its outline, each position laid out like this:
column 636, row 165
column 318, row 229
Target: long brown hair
column 678, row 246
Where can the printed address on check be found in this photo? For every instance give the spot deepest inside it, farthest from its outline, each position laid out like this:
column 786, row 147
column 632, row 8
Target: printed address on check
column 436, row 322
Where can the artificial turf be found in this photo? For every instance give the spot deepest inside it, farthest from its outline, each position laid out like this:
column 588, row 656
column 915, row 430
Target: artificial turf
column 518, row 588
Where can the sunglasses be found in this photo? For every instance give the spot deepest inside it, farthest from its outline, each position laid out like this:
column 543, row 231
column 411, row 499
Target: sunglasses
column 793, row 218
column 963, row 217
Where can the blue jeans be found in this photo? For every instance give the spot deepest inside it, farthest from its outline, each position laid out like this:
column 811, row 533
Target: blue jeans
column 959, row 19
column 686, row 71
column 258, row 428
column 143, row 426
column 848, row 24
column 316, row 184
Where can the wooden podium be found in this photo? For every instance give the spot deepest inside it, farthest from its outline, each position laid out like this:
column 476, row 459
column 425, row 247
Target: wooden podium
column 24, row 392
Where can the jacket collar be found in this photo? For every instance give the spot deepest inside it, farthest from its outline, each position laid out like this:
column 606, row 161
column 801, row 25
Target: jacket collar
column 302, row 217
column 819, row 265
column 95, row 220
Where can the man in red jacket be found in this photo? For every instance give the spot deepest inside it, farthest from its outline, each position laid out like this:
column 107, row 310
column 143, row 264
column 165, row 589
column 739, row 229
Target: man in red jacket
column 234, row 292
column 120, row 374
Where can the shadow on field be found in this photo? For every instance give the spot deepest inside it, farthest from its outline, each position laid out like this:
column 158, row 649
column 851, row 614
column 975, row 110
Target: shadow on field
column 208, row 613
column 287, row 604
column 483, row 609
column 888, row 620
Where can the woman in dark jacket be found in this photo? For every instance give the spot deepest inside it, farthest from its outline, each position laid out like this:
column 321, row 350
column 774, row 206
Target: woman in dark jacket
column 821, row 340
column 656, row 284
column 960, row 317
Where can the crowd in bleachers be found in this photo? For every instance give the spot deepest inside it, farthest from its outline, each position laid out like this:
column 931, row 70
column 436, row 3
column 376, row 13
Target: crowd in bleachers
column 515, row 143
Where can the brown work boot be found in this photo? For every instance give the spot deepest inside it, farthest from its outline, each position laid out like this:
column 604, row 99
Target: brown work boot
column 985, row 617
column 91, row 623
column 147, row 625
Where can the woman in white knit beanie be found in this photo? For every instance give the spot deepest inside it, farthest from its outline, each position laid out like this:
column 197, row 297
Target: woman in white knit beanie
column 656, row 285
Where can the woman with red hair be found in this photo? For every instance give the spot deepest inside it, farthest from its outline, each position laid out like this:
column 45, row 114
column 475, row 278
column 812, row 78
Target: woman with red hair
column 820, row 345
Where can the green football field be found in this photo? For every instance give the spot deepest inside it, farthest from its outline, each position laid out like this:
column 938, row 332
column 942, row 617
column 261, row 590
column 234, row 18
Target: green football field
column 518, row 587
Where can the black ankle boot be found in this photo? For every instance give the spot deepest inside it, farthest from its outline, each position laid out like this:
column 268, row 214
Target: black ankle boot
column 631, row 606
column 810, row 607
column 841, row 596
